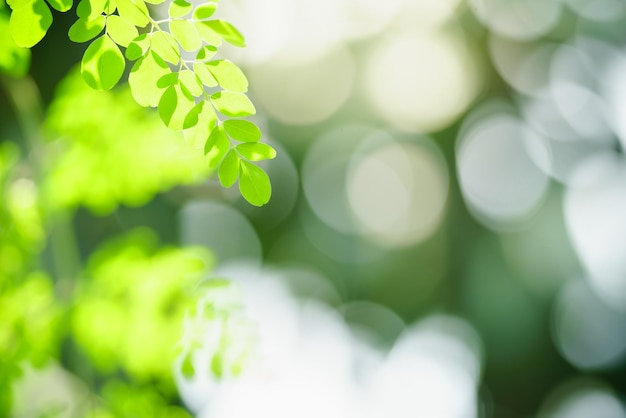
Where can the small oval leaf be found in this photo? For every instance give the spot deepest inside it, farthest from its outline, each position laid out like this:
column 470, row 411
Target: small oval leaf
column 103, row 64
column 256, row 151
column 242, row 130
column 229, row 169
column 254, row 184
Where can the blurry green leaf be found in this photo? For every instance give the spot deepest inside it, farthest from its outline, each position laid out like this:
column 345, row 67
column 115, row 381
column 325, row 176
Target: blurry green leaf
column 174, row 107
column 204, row 75
column 254, row 184
column 103, row 64
column 207, row 33
column 165, row 46
column 121, row 31
column 227, row 31
column 228, row 75
column 217, row 366
column 187, row 367
column 242, row 130
column 256, row 151
column 179, row 8
column 229, row 169
column 14, row 60
column 89, row 9
column 84, row 30
column 138, row 47
column 29, row 22
column 144, row 77
column 110, row 6
column 206, row 52
column 216, row 147
column 204, row 11
column 231, row 104
column 167, row 80
column 60, row 5
column 186, row 34
column 134, row 11
column 192, row 117
column 191, row 83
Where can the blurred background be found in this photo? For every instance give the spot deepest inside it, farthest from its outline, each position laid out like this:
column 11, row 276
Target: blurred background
column 446, row 235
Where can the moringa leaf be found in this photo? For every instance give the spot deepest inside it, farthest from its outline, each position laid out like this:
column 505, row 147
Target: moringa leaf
column 186, row 34
column 29, row 22
column 121, row 31
column 256, row 151
column 235, row 105
column 84, row 30
column 229, row 169
column 103, row 64
column 228, row 75
column 144, row 77
column 254, row 184
column 242, row 130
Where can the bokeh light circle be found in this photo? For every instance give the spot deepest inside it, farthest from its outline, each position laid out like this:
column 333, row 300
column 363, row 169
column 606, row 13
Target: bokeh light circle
column 397, row 192
column 589, row 334
column 518, row 19
column 500, row 181
column 299, row 89
column 421, row 83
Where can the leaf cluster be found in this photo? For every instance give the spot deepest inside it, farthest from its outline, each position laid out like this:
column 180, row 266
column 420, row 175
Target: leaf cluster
column 204, row 97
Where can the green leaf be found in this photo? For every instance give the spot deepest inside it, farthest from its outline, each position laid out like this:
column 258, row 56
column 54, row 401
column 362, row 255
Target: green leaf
column 228, row 75
column 174, row 107
column 204, row 75
column 179, row 8
column 216, row 147
column 235, row 105
column 133, row 11
column 29, row 23
column 167, row 80
column 256, row 151
column 14, row 60
column 155, row 1
column 187, row 366
column 110, row 6
column 191, row 119
column 254, row 184
column 242, row 130
column 206, row 52
column 206, row 120
column 227, row 31
column 121, row 31
column 229, row 169
column 84, row 30
column 191, row 83
column 165, row 46
column 144, row 77
column 204, row 11
column 138, row 47
column 61, row 5
column 90, row 9
column 186, row 34
column 103, row 64
column 207, row 33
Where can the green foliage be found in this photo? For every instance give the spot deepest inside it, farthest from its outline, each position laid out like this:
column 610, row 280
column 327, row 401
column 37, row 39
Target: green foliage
column 219, row 327
column 203, row 92
column 130, row 308
column 14, row 60
column 90, row 166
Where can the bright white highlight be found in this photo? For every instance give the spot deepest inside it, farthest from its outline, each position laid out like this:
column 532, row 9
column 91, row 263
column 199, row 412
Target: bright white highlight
column 498, row 177
column 421, row 83
column 309, row 364
column 398, row 192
